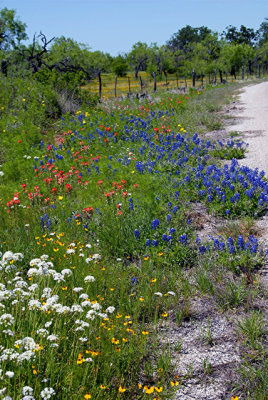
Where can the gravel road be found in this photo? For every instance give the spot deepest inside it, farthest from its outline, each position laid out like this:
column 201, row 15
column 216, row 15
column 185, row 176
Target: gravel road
column 253, row 123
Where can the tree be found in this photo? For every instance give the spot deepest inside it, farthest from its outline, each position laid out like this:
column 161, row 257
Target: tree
column 205, row 54
column 138, row 57
column 120, row 65
column 185, row 37
column 234, row 56
column 263, row 32
column 12, row 30
column 160, row 60
column 244, row 35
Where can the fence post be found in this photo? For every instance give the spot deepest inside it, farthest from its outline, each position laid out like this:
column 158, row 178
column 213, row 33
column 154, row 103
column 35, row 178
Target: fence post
column 129, row 90
column 141, row 83
column 100, row 84
column 243, row 73
column 193, row 76
column 185, row 81
column 177, row 79
column 154, row 75
column 115, row 83
column 221, row 79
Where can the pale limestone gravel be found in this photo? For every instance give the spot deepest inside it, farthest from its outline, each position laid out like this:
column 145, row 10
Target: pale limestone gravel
column 253, row 124
column 252, row 118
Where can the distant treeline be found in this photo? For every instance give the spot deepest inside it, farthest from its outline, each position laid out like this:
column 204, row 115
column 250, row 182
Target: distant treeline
column 66, row 64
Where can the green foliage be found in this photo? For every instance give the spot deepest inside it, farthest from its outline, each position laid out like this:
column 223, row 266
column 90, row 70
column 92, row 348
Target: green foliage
column 235, row 56
column 120, row 66
column 243, row 35
column 251, row 328
column 12, row 30
column 138, row 57
column 185, row 37
column 263, row 32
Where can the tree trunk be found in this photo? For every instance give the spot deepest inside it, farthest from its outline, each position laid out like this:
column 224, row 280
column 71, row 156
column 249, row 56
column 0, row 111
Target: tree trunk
column 215, row 76
column 243, row 73
column 4, row 67
column 250, row 67
column 259, row 71
column 193, row 76
column 100, row 84
column 165, row 73
column 154, row 75
column 220, row 72
column 129, row 90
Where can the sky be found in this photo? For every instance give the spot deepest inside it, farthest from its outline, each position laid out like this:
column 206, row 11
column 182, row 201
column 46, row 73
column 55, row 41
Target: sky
column 113, row 26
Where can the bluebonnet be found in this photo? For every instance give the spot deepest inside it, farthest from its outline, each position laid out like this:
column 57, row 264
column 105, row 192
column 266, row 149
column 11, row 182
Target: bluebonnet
column 137, row 234
column 155, row 223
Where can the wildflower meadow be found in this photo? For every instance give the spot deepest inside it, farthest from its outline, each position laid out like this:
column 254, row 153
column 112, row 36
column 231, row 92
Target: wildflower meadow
column 97, row 239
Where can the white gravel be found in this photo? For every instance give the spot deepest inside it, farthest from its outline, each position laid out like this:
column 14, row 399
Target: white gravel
column 253, row 124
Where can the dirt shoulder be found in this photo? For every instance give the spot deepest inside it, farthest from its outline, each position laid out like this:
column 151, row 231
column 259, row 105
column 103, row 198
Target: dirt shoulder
column 252, row 123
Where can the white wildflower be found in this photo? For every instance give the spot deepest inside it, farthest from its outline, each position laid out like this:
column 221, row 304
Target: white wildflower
column 10, row 374
column 47, row 393
column 89, row 278
column 83, row 296
column 34, row 305
column 86, row 303
column 7, row 319
column 91, row 315
column 76, row 308
column 27, row 391
column 42, row 332
column 52, row 338
column 110, row 309
column 70, row 251
column 66, row 271
column 77, row 289
column 96, row 306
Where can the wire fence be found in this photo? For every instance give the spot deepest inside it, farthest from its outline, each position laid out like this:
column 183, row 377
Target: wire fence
column 107, row 85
